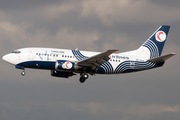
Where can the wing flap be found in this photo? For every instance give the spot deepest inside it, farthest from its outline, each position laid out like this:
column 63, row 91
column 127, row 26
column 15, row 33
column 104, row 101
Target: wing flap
column 161, row 58
column 98, row 59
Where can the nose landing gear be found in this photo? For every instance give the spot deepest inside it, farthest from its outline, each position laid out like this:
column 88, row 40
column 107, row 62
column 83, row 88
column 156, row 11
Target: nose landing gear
column 83, row 77
column 23, row 73
column 22, row 68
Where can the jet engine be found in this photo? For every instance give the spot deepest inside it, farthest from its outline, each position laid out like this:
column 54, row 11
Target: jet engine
column 63, row 65
column 61, row 74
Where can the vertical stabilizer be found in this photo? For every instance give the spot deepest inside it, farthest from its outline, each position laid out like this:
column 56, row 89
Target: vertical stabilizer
column 154, row 45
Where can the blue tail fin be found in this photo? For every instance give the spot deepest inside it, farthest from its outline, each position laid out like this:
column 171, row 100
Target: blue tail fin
column 156, row 41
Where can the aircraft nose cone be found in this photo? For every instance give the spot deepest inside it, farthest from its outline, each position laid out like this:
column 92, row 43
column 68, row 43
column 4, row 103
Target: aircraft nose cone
column 5, row 57
column 10, row 58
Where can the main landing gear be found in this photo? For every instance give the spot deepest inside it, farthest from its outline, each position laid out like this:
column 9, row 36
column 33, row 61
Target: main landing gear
column 83, row 77
column 23, row 73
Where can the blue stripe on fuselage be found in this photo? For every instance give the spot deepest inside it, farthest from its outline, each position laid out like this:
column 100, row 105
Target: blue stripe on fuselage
column 124, row 67
column 50, row 65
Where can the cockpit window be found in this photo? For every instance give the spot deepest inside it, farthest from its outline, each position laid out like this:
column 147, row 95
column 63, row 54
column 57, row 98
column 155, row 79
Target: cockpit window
column 16, row 51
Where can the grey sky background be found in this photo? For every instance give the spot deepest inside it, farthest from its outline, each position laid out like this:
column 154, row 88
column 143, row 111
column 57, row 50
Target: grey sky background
column 89, row 25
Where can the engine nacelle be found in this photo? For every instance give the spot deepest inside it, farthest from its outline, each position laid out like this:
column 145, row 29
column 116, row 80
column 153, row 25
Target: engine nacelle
column 61, row 74
column 63, row 65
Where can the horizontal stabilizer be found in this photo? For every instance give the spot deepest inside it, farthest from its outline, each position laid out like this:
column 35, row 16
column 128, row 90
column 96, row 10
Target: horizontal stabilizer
column 161, row 58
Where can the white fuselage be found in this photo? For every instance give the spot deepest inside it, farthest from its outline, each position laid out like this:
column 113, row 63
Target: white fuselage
column 51, row 55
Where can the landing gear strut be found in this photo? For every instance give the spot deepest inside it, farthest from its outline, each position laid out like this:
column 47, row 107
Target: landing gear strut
column 83, row 77
column 23, row 73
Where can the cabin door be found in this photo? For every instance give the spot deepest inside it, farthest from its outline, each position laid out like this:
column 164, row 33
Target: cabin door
column 30, row 53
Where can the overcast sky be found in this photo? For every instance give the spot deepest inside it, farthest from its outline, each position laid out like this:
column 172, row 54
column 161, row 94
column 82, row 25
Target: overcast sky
column 95, row 25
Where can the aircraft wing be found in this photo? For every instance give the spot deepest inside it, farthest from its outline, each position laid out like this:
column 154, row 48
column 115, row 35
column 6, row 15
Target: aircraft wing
column 161, row 58
column 98, row 59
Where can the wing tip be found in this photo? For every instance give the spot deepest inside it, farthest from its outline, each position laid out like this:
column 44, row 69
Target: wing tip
column 114, row 49
column 173, row 53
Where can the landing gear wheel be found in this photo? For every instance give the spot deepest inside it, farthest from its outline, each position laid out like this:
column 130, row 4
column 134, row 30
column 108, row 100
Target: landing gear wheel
column 82, row 80
column 83, row 77
column 23, row 73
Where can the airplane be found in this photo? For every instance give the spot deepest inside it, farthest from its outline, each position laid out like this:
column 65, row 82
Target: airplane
column 66, row 63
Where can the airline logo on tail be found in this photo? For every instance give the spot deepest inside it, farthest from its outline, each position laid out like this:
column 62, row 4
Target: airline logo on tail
column 160, row 36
